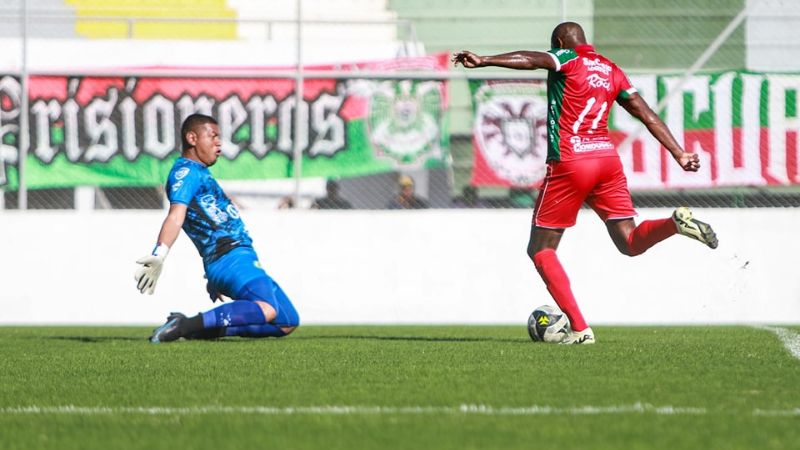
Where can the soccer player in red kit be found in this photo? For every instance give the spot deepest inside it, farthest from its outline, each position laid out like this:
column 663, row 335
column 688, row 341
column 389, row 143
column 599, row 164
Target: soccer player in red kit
column 582, row 162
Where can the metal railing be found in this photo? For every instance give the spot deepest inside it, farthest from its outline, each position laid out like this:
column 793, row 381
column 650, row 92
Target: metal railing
column 733, row 197
column 26, row 17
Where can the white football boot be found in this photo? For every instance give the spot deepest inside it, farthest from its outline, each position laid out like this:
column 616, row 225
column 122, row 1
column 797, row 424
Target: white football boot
column 579, row 337
column 694, row 228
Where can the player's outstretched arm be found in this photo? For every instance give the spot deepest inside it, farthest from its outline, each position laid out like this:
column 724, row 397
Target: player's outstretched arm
column 147, row 275
column 521, row 60
column 638, row 108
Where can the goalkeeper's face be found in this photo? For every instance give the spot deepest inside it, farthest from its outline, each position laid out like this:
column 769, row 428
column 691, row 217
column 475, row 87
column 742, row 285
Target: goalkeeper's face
column 208, row 143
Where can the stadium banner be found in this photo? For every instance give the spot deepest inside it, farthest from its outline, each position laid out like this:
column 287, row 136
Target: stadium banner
column 125, row 131
column 743, row 125
column 509, row 135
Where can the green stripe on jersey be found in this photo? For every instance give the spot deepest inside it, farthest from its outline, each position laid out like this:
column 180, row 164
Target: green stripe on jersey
column 625, row 94
column 555, row 96
column 563, row 54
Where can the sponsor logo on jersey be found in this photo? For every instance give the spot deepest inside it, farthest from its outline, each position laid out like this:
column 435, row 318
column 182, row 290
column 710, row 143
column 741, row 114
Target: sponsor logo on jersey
column 589, row 145
column 181, row 173
column 595, row 65
column 177, row 185
column 596, row 81
column 209, row 205
column 232, row 211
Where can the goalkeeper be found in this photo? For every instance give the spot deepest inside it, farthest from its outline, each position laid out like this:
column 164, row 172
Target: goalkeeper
column 199, row 206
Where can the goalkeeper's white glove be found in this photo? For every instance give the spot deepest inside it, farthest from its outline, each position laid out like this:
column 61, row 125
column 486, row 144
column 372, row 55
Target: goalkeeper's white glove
column 147, row 276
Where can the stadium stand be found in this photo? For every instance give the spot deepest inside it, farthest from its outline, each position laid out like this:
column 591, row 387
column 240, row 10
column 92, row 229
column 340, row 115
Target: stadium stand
column 124, row 33
column 192, row 11
column 257, row 19
column 488, row 27
column 274, row 20
column 46, row 26
column 485, row 28
column 667, row 35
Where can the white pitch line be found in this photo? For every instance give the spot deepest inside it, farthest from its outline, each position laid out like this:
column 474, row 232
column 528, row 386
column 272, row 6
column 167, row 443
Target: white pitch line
column 777, row 412
column 346, row 410
column 790, row 339
column 466, row 409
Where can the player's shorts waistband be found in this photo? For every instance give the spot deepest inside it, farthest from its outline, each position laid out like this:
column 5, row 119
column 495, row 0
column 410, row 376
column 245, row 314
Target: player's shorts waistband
column 226, row 251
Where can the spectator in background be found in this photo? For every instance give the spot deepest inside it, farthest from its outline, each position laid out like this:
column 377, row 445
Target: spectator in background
column 286, row 203
column 332, row 200
column 406, row 199
column 469, row 199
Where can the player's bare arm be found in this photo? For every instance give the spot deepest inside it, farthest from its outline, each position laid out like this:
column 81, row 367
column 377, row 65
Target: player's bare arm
column 171, row 227
column 520, row 60
column 638, row 108
column 147, row 275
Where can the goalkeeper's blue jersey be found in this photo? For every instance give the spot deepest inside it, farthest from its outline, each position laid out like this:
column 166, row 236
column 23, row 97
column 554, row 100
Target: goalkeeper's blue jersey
column 212, row 220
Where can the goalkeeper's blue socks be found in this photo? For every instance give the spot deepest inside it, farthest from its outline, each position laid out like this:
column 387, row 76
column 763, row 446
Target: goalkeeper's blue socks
column 255, row 331
column 252, row 331
column 234, row 314
column 238, row 318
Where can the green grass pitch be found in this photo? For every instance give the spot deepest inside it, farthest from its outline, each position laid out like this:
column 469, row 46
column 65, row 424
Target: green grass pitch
column 404, row 387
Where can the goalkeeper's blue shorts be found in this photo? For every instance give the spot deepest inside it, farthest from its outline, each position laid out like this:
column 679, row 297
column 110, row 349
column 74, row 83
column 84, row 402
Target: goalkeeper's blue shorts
column 238, row 275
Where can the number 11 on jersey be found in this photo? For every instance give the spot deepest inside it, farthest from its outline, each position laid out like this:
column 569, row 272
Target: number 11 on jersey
column 585, row 112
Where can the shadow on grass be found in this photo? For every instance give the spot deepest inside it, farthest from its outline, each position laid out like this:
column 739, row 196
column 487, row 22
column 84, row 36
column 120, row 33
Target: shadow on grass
column 411, row 338
column 94, row 339
column 349, row 337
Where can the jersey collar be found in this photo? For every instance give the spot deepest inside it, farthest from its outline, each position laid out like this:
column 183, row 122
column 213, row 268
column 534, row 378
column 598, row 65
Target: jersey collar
column 193, row 162
column 585, row 48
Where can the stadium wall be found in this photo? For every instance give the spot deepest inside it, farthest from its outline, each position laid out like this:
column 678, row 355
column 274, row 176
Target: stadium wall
column 382, row 267
column 65, row 54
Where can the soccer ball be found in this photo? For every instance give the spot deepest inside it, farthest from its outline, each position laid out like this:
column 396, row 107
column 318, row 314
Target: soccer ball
column 548, row 324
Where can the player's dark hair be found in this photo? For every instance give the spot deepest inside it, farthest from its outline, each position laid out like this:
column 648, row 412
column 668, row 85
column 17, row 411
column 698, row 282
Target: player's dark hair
column 192, row 123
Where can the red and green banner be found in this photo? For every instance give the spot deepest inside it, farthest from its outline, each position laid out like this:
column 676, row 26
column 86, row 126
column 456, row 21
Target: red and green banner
column 124, row 131
column 509, row 135
column 743, row 125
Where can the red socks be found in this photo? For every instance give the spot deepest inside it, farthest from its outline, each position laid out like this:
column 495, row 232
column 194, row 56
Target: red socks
column 648, row 234
column 557, row 282
column 644, row 236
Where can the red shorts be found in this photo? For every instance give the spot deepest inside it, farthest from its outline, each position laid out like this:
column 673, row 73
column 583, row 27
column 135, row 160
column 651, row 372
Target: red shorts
column 600, row 182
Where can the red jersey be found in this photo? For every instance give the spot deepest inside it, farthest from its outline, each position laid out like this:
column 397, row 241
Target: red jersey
column 580, row 92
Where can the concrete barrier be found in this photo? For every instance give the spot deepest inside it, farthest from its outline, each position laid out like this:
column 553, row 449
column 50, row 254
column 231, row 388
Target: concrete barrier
column 397, row 267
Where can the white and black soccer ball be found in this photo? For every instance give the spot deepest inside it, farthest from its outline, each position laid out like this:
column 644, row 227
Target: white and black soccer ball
column 548, row 324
